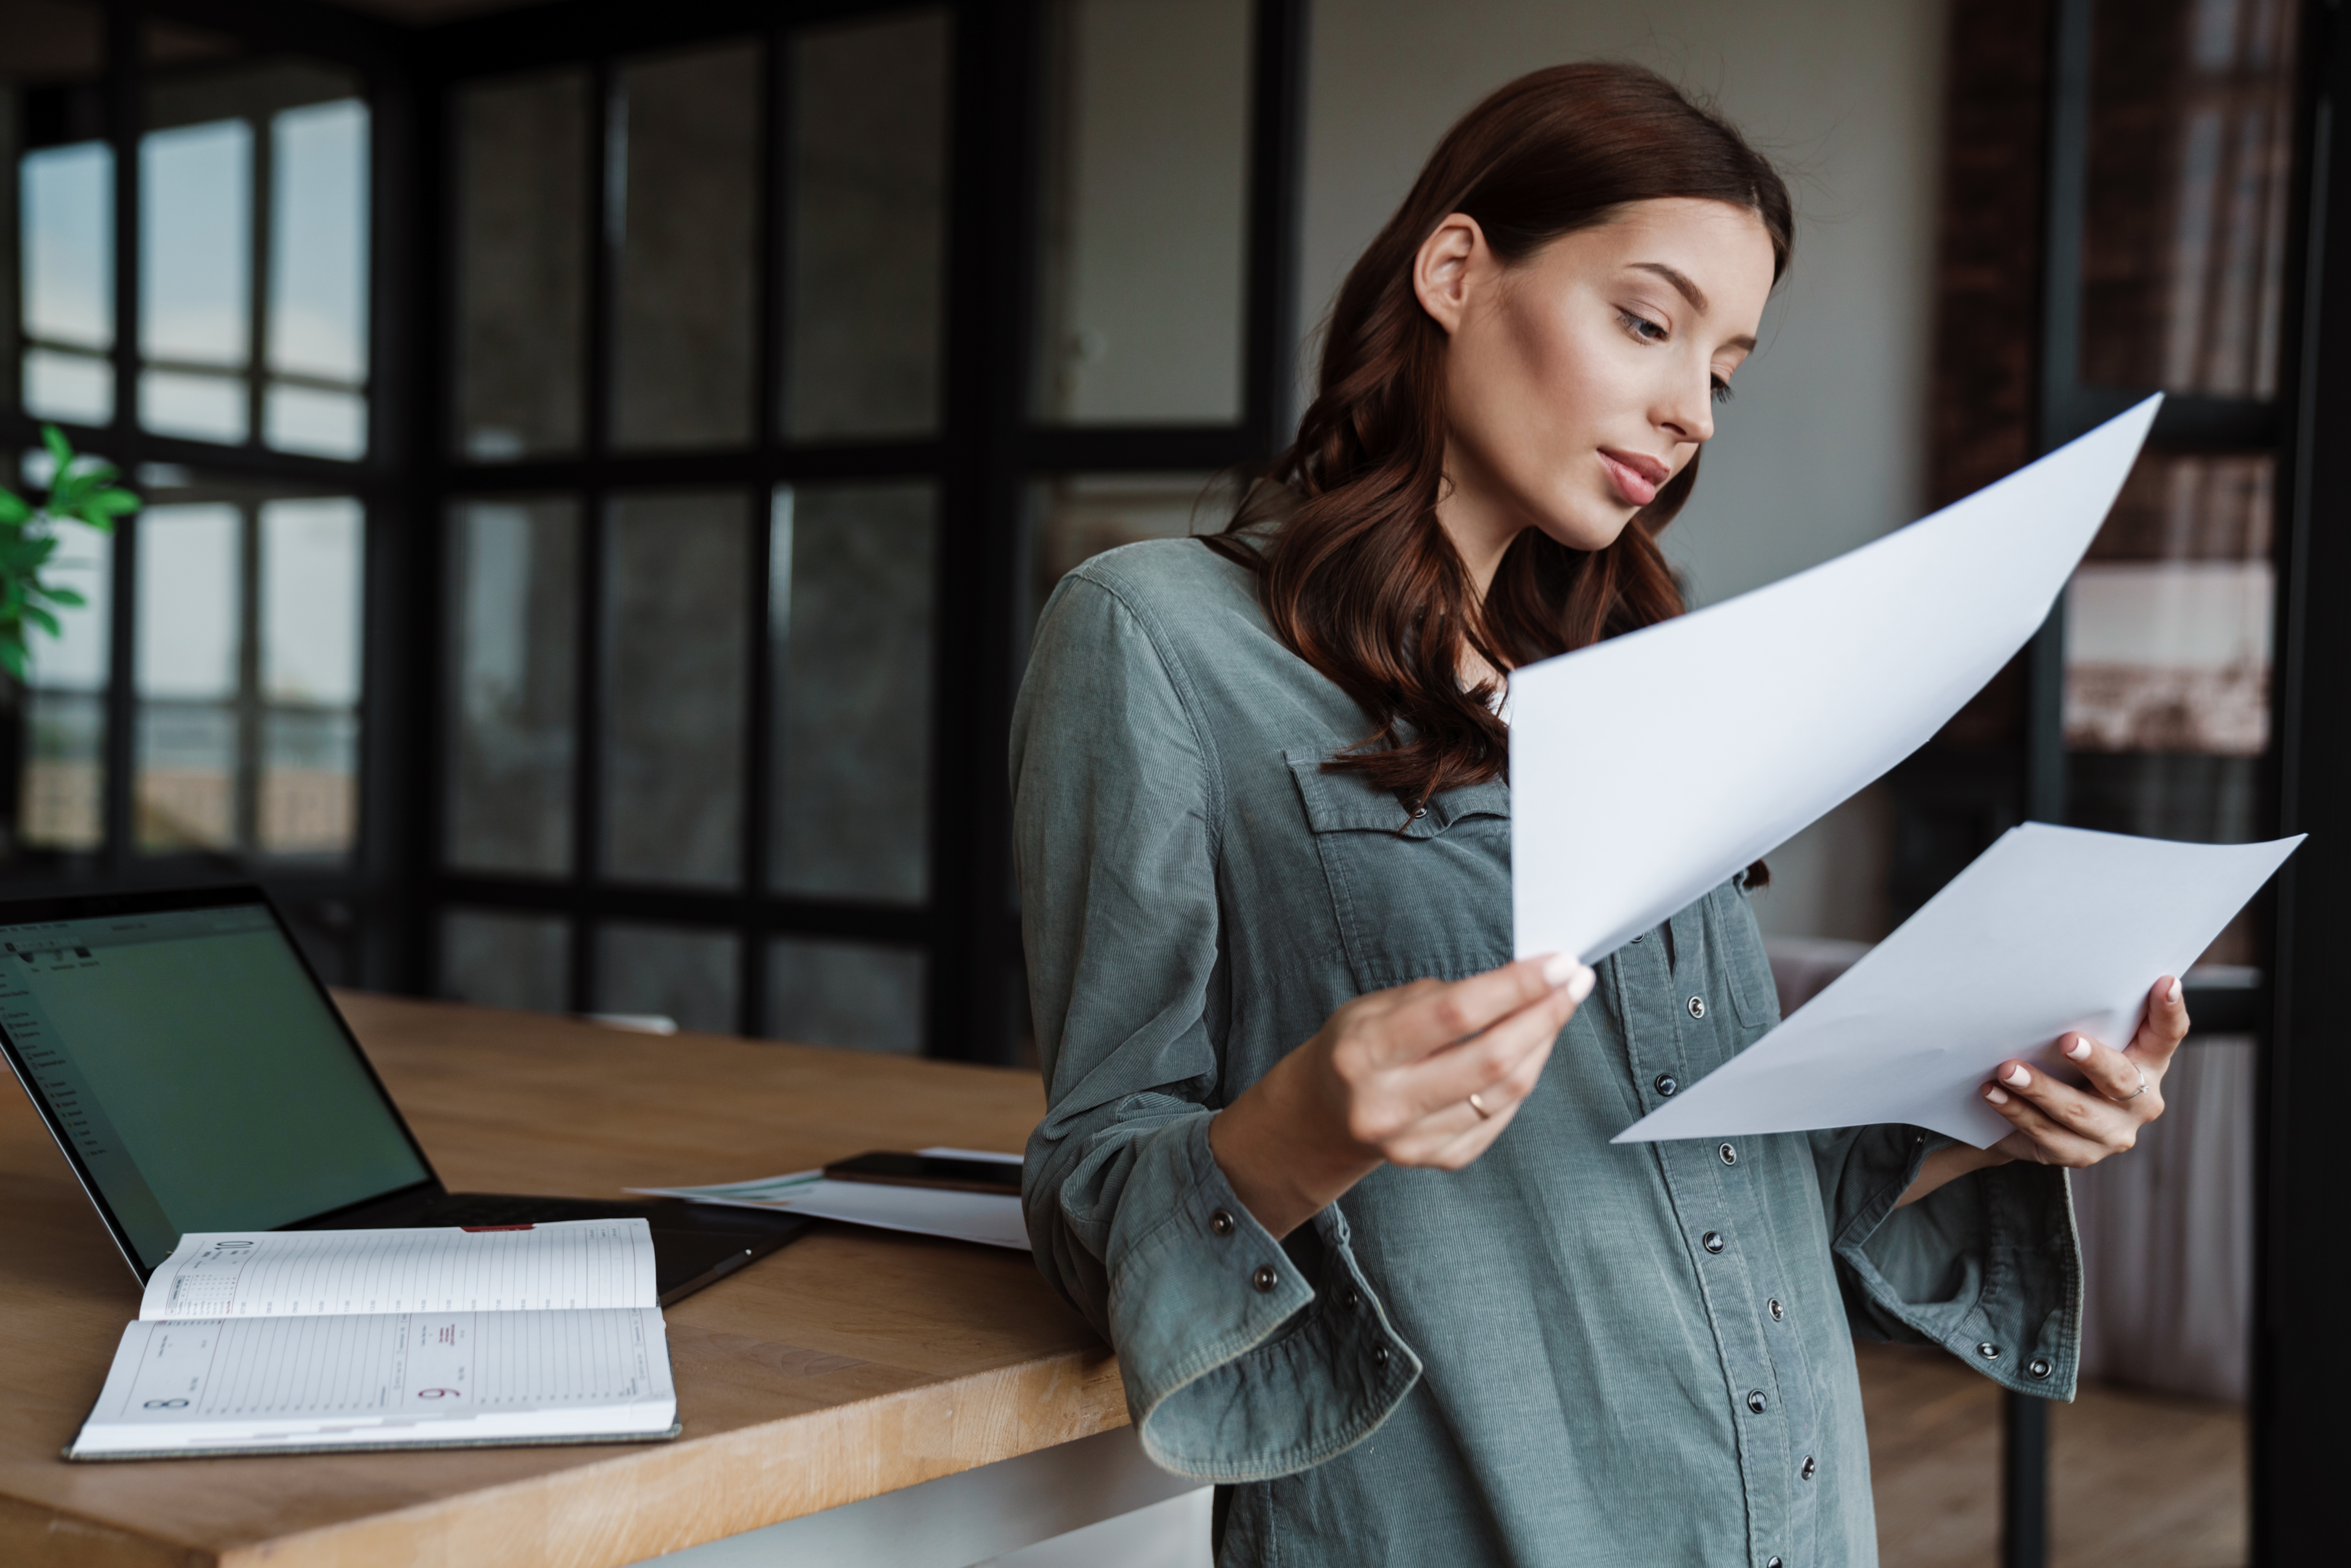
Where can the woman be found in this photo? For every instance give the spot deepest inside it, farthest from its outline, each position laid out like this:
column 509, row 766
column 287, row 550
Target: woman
column 1393, row 1284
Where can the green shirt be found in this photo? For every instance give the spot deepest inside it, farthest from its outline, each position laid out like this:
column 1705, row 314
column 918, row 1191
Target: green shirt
column 1572, row 1353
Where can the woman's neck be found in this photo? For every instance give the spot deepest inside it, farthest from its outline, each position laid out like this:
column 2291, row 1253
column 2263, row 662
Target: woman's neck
column 1481, row 531
column 1475, row 518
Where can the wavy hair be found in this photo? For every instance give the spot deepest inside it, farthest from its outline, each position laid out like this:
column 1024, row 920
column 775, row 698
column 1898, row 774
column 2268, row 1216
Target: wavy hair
column 1359, row 579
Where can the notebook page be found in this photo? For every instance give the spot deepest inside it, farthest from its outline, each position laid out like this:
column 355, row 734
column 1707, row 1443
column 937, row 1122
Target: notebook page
column 571, row 1264
column 384, row 1376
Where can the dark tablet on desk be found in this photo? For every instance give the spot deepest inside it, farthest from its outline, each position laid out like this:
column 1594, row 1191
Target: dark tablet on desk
column 892, row 1170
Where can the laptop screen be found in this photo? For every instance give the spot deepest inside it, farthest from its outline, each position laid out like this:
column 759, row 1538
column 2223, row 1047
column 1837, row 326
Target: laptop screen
column 197, row 1072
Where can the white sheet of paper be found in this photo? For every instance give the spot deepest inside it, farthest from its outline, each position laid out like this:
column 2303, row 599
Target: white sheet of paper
column 990, row 1219
column 1645, row 769
column 2051, row 930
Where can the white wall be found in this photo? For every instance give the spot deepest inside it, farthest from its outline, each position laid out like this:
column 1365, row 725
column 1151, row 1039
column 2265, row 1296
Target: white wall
column 1823, row 447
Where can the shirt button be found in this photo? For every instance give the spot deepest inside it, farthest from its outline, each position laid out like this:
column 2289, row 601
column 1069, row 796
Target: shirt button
column 1263, row 1279
column 1811, row 1468
column 1379, row 1356
column 1221, row 1223
column 1729, row 1156
column 1698, row 1007
column 1353, row 1299
column 2038, row 1366
column 1712, row 1241
column 1778, row 1312
column 1665, row 1084
column 1755, row 1400
column 1989, row 1351
column 1774, row 1562
column 1419, row 812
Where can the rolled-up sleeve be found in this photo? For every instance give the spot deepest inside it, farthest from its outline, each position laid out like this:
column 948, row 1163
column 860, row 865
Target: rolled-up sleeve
column 1988, row 1266
column 1234, row 1368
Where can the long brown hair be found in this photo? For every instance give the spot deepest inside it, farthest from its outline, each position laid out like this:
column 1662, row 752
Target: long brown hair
column 1360, row 580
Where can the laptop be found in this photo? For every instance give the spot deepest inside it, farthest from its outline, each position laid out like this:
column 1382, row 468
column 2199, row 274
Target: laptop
column 197, row 1077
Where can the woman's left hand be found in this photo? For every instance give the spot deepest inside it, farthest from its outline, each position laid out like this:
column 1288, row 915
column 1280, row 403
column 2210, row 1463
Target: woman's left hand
column 2058, row 1124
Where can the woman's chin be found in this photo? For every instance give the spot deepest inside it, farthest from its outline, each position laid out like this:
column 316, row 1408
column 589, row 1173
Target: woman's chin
column 1587, row 527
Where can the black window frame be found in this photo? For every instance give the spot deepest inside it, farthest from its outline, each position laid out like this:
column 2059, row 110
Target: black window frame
column 375, row 918
column 2299, row 1079
column 342, row 908
column 987, row 450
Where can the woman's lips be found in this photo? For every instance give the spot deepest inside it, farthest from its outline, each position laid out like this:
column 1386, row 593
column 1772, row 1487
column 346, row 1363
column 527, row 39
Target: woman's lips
column 1634, row 476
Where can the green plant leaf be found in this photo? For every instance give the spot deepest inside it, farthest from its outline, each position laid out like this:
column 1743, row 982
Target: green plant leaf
column 44, row 620
column 71, row 598
column 59, row 448
column 12, row 652
column 111, row 502
column 13, row 508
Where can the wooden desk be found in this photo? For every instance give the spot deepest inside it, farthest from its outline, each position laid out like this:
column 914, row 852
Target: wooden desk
column 848, row 1365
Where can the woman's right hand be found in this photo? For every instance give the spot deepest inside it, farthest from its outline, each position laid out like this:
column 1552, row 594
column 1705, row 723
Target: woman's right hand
column 1389, row 1079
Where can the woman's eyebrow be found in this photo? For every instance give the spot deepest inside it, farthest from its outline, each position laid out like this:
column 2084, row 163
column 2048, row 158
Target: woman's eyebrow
column 1680, row 280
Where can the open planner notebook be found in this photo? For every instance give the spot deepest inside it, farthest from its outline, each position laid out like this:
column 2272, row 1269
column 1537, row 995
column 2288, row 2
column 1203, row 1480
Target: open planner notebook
column 278, row 1342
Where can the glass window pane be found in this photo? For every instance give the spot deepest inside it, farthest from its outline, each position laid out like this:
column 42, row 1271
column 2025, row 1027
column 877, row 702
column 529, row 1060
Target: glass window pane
column 312, row 420
column 195, row 244
column 868, row 183
column 504, row 960
column 248, row 670
column 1144, row 214
column 191, row 570
column 850, row 620
column 66, row 214
column 514, row 590
column 200, row 407
column 852, row 994
column 522, row 226
column 60, row 794
column 318, row 241
column 311, row 570
column 191, row 607
column 686, row 974
column 2168, row 622
column 682, row 163
column 57, row 262
column 2192, row 142
column 674, row 646
column 75, row 388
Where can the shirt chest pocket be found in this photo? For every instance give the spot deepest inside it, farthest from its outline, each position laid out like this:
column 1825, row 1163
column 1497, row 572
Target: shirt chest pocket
column 1735, row 944
column 1415, row 897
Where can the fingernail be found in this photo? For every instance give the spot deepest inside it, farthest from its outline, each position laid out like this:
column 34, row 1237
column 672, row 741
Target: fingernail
column 2080, row 1050
column 1558, row 969
column 1996, row 1094
column 1579, row 985
column 2172, row 996
column 2018, row 1077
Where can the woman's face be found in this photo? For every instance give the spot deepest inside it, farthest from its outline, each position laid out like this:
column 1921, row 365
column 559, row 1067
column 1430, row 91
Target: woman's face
column 1579, row 381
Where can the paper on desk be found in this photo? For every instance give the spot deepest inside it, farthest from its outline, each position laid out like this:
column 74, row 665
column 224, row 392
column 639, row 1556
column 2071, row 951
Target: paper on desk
column 2052, row 929
column 1645, row 769
column 991, row 1219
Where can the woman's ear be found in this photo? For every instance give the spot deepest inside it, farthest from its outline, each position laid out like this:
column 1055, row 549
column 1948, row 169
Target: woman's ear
column 1442, row 270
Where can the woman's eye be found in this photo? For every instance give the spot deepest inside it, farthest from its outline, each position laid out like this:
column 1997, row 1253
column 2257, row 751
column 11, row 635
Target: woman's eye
column 1721, row 389
column 1641, row 327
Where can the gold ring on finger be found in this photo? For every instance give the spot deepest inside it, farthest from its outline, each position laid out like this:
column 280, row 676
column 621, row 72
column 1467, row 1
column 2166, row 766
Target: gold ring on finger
column 1479, row 1106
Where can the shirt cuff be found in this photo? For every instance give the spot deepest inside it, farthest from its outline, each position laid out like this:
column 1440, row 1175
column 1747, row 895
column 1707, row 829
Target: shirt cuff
column 1237, row 1368
column 1988, row 1266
